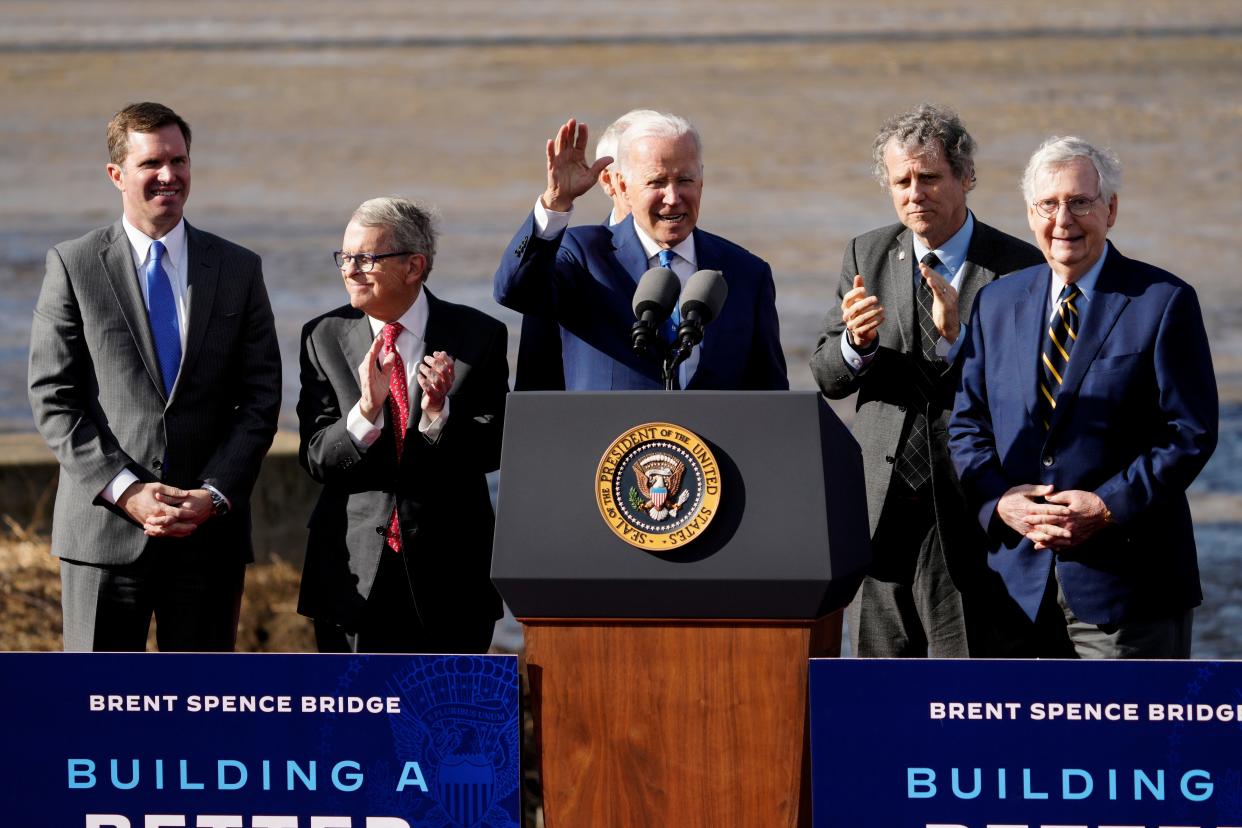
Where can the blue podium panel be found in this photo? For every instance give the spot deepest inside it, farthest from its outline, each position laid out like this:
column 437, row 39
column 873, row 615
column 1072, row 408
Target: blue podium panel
column 259, row 741
column 1025, row 744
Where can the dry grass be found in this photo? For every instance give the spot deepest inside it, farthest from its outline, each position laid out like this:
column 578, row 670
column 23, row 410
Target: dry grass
column 30, row 615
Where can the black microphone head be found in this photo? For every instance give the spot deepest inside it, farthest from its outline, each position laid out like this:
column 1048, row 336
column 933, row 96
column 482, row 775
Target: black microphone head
column 705, row 293
column 656, row 293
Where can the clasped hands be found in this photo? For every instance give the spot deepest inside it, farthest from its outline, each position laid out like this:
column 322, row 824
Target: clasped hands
column 166, row 511
column 1053, row 520
column 863, row 314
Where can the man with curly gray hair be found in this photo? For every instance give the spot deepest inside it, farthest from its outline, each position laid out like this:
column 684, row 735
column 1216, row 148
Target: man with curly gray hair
column 903, row 293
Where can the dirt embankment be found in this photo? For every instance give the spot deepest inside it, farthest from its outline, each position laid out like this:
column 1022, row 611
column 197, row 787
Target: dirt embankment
column 30, row 602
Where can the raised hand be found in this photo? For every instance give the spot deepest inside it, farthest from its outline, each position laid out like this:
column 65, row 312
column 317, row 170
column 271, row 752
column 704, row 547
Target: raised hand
column 373, row 377
column 862, row 314
column 944, row 304
column 435, row 377
column 569, row 174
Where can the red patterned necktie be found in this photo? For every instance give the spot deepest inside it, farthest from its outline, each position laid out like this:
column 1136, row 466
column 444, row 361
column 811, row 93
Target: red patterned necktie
column 399, row 412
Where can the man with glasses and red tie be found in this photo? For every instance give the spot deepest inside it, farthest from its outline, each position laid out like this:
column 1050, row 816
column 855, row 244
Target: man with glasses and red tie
column 155, row 378
column 1087, row 406
column 400, row 414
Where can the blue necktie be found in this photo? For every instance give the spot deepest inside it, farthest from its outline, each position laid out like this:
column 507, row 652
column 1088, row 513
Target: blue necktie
column 162, row 314
column 670, row 325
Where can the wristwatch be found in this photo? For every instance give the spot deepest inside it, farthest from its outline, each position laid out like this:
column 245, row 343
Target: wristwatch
column 218, row 502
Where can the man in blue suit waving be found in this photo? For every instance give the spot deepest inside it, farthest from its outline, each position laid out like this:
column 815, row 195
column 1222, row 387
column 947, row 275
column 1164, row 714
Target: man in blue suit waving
column 1087, row 406
column 585, row 276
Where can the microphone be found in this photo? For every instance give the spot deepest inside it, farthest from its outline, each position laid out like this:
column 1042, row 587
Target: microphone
column 653, row 302
column 701, row 301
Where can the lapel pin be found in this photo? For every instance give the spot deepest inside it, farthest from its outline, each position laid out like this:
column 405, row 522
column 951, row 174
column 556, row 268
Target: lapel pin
column 901, row 255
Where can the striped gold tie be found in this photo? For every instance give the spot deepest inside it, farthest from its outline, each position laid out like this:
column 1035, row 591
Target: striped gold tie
column 1058, row 344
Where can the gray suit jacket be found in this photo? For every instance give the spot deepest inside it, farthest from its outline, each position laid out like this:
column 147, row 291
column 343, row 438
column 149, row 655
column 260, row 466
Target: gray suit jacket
column 439, row 489
column 98, row 398
column 893, row 387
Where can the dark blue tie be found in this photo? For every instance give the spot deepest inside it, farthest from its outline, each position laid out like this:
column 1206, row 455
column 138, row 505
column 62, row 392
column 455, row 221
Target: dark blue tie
column 162, row 313
column 670, row 325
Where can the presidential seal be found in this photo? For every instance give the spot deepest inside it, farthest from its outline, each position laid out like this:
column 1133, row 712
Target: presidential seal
column 658, row 486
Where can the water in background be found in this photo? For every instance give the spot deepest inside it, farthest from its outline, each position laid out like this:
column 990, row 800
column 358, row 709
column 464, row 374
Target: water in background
column 300, row 114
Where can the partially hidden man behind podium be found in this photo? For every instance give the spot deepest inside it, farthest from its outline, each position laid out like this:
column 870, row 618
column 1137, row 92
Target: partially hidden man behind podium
column 585, row 276
column 400, row 413
column 539, row 347
column 155, row 379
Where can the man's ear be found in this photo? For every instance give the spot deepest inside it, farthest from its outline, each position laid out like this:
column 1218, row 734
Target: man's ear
column 418, row 269
column 114, row 174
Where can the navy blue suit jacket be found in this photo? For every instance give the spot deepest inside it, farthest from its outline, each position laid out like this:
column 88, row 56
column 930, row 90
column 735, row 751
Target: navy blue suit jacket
column 1135, row 422
column 585, row 279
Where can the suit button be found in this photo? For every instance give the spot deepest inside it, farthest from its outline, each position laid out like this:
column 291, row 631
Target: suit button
column 902, row 409
column 1048, row 460
column 888, row 458
column 379, row 530
column 157, row 464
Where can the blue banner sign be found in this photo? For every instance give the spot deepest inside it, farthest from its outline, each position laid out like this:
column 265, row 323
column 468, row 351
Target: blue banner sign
column 1026, row 744
column 259, row 741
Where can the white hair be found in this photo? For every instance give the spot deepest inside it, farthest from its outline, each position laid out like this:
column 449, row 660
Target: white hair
column 659, row 125
column 413, row 225
column 607, row 144
column 1059, row 150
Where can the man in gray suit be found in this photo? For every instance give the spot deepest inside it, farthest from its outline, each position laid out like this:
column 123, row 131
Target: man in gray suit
column 905, row 291
column 155, row 378
column 401, row 411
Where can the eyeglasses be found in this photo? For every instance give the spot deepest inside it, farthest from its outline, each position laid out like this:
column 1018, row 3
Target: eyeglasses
column 365, row 261
column 1078, row 206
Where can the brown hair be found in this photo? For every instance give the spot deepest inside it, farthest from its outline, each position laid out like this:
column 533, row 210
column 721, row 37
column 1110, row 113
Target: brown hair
column 140, row 117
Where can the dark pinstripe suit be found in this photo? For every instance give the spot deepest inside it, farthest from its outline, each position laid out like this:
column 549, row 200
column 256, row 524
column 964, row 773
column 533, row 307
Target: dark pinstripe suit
column 98, row 400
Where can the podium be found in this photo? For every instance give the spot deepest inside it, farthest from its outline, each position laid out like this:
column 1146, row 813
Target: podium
column 669, row 686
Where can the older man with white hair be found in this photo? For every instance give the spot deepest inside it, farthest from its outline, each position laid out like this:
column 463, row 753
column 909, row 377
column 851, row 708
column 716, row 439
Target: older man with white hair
column 1086, row 408
column 539, row 348
column 585, row 276
column 400, row 413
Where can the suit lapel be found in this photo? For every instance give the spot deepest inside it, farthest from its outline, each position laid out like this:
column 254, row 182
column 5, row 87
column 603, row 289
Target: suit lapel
column 1105, row 305
column 975, row 276
column 708, row 256
column 629, row 250
column 202, row 278
column 439, row 336
column 356, row 340
column 1027, row 337
column 117, row 259
column 901, row 267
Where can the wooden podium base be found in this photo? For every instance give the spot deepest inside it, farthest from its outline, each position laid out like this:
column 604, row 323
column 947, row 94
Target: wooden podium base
column 674, row 723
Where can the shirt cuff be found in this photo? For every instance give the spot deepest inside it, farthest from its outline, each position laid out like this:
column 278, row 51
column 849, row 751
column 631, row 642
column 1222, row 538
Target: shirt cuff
column 549, row 223
column 431, row 429
column 361, row 430
column 856, row 361
column 123, row 480
column 948, row 352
